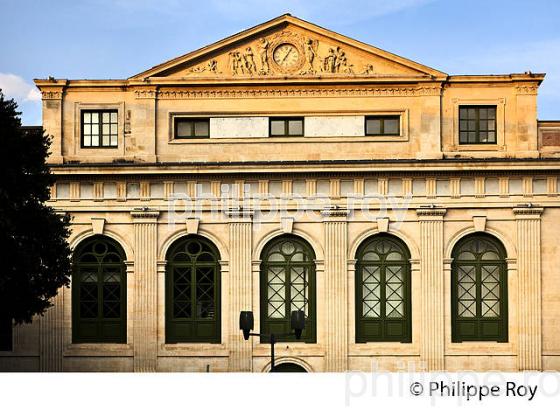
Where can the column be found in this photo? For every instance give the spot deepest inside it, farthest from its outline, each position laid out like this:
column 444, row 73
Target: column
column 240, row 291
column 51, row 327
column 336, row 290
column 432, row 335
column 528, row 221
column 145, row 290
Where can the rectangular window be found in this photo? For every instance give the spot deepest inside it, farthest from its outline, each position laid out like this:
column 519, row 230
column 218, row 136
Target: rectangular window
column 192, row 128
column 383, row 125
column 99, row 128
column 477, row 124
column 5, row 334
column 286, row 127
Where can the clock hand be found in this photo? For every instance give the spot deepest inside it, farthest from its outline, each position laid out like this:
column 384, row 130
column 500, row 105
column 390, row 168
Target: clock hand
column 286, row 55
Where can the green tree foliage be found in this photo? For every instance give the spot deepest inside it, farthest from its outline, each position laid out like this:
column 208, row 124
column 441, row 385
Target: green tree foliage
column 35, row 257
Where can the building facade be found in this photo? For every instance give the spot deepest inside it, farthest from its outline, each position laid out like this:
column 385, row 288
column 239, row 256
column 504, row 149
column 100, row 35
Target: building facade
column 413, row 215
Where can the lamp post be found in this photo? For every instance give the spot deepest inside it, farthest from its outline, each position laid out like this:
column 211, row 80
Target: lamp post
column 247, row 322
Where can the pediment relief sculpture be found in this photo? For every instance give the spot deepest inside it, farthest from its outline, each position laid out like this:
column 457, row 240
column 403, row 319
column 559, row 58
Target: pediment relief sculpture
column 284, row 53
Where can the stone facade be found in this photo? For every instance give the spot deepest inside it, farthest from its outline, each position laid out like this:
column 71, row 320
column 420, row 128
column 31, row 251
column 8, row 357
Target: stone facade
column 421, row 186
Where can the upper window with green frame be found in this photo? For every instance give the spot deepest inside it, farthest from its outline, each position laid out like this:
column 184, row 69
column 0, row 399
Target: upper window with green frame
column 381, row 125
column 383, row 312
column 286, row 127
column 479, row 290
column 287, row 284
column 192, row 291
column 99, row 292
column 99, row 128
column 477, row 124
column 191, row 128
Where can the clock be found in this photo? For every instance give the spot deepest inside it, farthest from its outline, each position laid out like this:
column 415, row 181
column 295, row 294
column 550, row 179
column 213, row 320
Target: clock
column 286, row 55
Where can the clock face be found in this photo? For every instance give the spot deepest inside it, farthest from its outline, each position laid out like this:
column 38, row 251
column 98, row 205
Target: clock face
column 286, row 55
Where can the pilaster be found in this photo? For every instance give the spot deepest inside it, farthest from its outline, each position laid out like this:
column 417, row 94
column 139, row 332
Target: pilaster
column 52, row 336
column 336, row 290
column 432, row 288
column 145, row 290
column 528, row 221
column 240, row 289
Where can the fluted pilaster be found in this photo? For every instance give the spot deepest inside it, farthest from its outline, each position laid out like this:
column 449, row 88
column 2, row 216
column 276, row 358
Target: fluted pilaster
column 529, row 355
column 336, row 290
column 52, row 336
column 145, row 290
column 432, row 288
column 240, row 240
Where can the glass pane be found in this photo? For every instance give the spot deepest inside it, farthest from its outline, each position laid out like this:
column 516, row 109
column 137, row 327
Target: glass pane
column 466, row 291
column 298, row 289
column 87, row 117
column 87, row 140
column 184, row 129
column 371, row 292
column 391, row 126
column 490, row 291
column 113, row 140
column 277, row 127
column 106, row 129
column 463, row 113
column 295, row 127
column 114, row 117
column 106, row 117
column 106, row 140
column 394, row 292
column 201, row 129
column 95, row 117
column 87, row 129
column 95, row 140
column 182, row 304
column 205, row 293
column 276, row 279
column 373, row 127
column 492, row 113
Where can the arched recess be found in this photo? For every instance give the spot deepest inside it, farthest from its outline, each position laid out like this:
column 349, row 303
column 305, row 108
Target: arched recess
column 317, row 249
column 287, row 283
column 479, row 289
column 192, row 291
column 510, row 248
column 75, row 240
column 99, row 291
column 413, row 249
column 291, row 360
column 383, row 310
column 174, row 236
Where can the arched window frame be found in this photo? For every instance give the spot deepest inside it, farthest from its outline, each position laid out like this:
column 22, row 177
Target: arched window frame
column 480, row 326
column 282, row 325
column 193, row 329
column 383, row 328
column 87, row 261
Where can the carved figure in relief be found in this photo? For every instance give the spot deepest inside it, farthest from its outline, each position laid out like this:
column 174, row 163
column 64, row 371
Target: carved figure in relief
column 310, row 54
column 329, row 63
column 263, row 56
column 368, row 69
column 249, row 61
column 212, row 67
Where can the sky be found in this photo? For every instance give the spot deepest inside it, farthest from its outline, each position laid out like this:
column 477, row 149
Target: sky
column 98, row 39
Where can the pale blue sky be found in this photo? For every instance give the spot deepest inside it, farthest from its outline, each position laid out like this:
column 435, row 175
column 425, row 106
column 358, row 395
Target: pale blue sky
column 119, row 38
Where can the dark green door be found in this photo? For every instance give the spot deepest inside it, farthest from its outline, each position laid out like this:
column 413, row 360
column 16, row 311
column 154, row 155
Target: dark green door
column 192, row 292
column 479, row 290
column 383, row 291
column 287, row 284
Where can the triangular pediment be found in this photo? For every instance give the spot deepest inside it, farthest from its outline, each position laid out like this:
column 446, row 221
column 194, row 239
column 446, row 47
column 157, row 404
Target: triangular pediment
column 288, row 47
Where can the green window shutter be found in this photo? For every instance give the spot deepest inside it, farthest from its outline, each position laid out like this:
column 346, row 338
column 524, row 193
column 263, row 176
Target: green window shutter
column 479, row 290
column 383, row 291
column 192, row 292
column 99, row 292
column 287, row 284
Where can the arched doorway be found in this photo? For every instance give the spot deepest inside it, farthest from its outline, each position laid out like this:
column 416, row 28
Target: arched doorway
column 289, row 367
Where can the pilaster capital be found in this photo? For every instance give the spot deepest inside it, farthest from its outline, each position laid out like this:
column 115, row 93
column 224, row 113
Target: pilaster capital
column 335, row 215
column 528, row 212
column 240, row 214
column 144, row 215
column 432, row 214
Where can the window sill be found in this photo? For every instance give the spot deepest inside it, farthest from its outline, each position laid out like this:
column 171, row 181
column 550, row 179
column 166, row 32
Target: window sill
column 479, row 348
column 193, row 349
column 289, row 349
column 98, row 349
column 383, row 349
column 304, row 139
column 477, row 147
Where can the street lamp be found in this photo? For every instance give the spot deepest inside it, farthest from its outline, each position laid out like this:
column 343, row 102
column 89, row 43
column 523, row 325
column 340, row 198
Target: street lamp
column 247, row 322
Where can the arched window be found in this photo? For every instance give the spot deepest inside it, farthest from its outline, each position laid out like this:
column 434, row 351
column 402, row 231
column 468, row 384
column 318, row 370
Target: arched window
column 99, row 292
column 287, row 284
column 383, row 291
column 192, row 291
column 479, row 290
